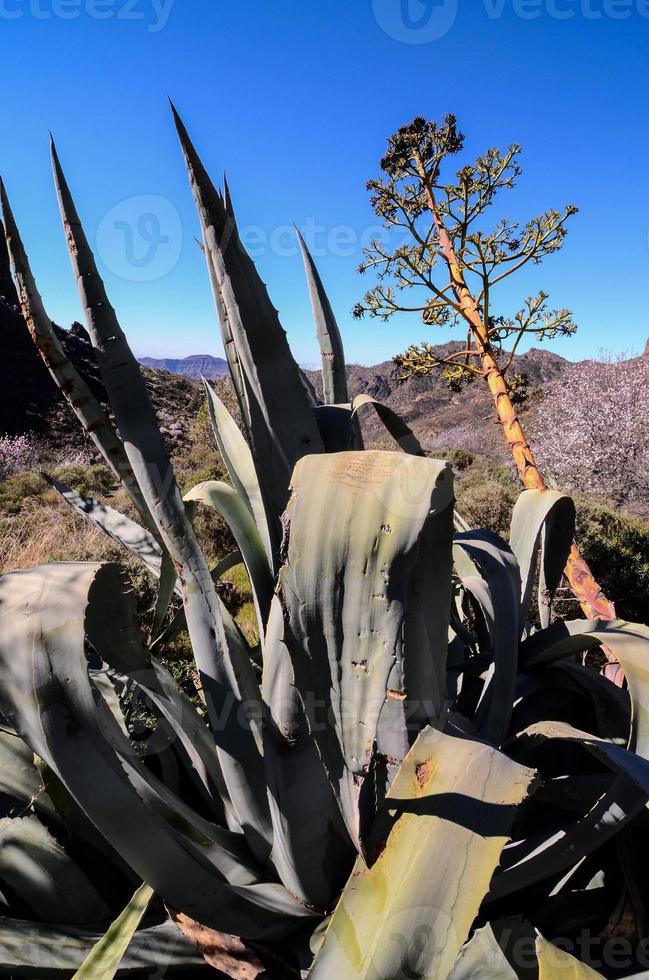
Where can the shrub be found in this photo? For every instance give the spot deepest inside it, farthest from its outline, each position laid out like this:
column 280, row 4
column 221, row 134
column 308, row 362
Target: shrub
column 591, row 429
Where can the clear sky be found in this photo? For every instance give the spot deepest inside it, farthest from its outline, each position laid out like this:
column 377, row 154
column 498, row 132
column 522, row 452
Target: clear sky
column 295, row 98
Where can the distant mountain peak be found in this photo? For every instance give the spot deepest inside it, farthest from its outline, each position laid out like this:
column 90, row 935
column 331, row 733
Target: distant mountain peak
column 194, row 366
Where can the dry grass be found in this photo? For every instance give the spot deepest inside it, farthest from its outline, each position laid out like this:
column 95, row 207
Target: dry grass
column 46, row 533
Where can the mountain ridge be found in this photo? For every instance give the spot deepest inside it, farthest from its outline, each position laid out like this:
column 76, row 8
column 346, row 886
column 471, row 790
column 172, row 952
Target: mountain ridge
column 193, row 366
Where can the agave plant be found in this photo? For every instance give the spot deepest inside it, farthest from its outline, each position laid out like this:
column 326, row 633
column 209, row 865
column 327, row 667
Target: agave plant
column 367, row 794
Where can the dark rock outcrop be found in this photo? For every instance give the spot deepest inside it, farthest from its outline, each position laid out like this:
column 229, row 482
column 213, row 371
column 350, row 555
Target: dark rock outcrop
column 30, row 400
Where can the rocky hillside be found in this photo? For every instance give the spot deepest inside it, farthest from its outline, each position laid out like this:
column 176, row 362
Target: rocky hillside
column 30, row 400
column 195, row 366
column 440, row 418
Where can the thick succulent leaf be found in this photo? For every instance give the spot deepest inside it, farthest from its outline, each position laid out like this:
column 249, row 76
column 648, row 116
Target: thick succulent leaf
column 179, row 621
column 614, row 756
column 557, row 964
column 40, row 872
column 196, row 866
column 366, row 619
column 541, row 857
column 334, row 374
column 495, row 561
column 629, row 643
column 482, row 959
column 449, row 813
column 166, row 589
column 575, row 693
column 229, row 347
column 394, row 424
column 282, row 426
column 106, row 955
column 85, row 406
column 545, row 857
column 31, row 949
column 20, row 780
column 239, row 462
column 143, row 545
column 222, row 675
column 312, row 850
column 136, row 539
column 338, row 427
column 542, row 519
column 117, row 641
column 228, row 504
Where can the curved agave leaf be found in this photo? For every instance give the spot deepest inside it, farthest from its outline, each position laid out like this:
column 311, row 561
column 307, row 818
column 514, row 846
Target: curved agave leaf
column 449, row 813
column 229, row 505
column 629, row 642
column 338, row 428
column 20, row 780
column 366, row 621
column 40, row 872
column 536, row 859
column 144, row 546
column 533, row 860
column 221, row 676
column 197, row 867
column 85, row 406
column 609, row 705
column 491, row 556
column 31, row 949
column 398, row 429
column 127, row 533
column 105, row 957
column 614, row 756
column 545, row 519
column 556, row 964
column 118, row 643
column 282, row 427
column 239, row 462
column 166, row 589
column 334, row 374
column 482, row 959
column 312, row 850
column 179, row 621
column 541, row 857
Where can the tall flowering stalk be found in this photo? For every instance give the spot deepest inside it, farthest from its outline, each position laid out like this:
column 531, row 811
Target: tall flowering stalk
column 453, row 267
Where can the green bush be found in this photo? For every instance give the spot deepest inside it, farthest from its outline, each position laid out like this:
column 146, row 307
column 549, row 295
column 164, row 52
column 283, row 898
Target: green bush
column 617, row 549
column 93, row 481
column 18, row 489
column 615, row 546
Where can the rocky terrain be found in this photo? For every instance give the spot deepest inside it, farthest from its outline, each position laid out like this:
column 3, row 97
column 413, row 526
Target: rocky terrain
column 196, row 366
column 440, row 418
column 30, row 401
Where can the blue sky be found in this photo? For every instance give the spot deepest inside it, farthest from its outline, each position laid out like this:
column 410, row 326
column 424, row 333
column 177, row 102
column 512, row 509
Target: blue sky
column 295, row 99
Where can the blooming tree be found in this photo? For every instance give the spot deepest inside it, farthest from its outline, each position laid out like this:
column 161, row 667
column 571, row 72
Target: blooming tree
column 591, row 429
